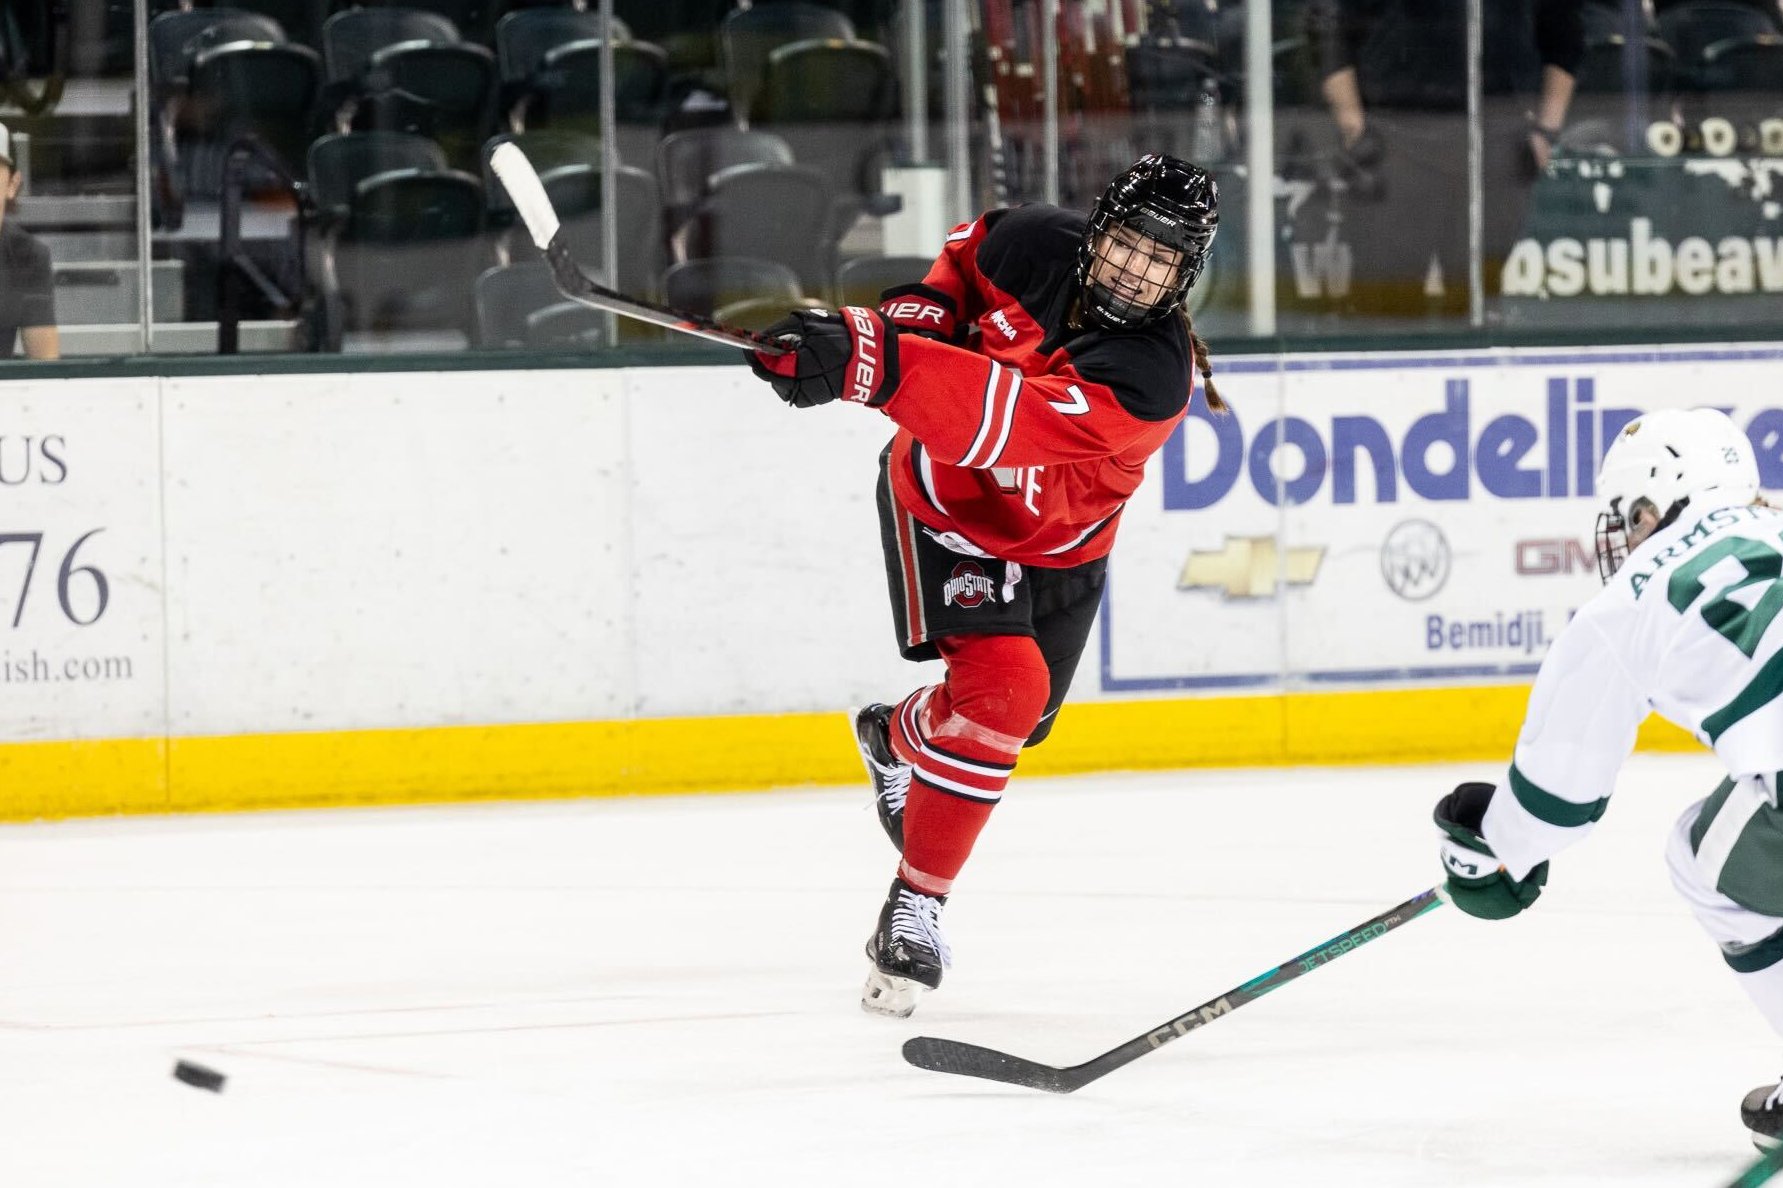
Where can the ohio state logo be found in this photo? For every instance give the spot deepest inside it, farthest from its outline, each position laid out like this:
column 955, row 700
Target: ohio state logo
column 968, row 586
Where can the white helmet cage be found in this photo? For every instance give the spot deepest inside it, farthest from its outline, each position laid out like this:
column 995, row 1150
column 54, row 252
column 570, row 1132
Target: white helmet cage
column 1658, row 462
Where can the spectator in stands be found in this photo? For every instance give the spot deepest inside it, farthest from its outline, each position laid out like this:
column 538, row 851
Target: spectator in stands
column 27, row 299
column 1394, row 76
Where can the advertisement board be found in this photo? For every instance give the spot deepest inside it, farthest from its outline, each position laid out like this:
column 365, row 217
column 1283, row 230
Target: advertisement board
column 221, row 591
column 368, row 551
column 82, row 652
column 1685, row 242
column 1419, row 519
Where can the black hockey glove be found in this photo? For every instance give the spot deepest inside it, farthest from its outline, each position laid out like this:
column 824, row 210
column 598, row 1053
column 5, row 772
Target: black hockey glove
column 1478, row 884
column 1359, row 165
column 851, row 355
column 919, row 309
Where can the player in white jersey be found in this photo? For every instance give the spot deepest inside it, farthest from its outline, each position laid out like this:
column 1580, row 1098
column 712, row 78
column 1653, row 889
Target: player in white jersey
column 1686, row 627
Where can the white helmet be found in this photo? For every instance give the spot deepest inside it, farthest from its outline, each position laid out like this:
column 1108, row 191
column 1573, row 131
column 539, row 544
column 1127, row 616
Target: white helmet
column 1662, row 459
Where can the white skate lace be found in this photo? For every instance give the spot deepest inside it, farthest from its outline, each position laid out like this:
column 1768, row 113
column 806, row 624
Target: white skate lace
column 917, row 917
column 1776, row 1098
column 896, row 787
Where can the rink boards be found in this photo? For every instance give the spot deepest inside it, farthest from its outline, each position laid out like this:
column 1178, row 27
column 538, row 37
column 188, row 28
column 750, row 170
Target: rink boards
column 291, row 589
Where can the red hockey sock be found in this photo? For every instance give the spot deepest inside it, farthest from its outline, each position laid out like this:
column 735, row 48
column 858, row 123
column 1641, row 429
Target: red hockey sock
column 963, row 737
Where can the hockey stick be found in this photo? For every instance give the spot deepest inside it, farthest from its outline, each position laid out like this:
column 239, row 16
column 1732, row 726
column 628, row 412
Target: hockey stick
column 970, row 1060
column 1768, row 1165
column 530, row 199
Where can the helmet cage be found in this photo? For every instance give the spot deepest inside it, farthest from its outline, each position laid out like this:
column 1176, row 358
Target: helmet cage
column 1611, row 538
column 1167, row 204
column 1658, row 464
column 1106, row 305
column 1611, row 542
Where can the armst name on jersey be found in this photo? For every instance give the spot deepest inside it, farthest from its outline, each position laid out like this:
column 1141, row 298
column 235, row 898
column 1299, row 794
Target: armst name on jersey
column 1719, row 520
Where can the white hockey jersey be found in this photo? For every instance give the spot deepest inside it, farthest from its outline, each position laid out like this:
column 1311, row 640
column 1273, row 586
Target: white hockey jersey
column 1685, row 629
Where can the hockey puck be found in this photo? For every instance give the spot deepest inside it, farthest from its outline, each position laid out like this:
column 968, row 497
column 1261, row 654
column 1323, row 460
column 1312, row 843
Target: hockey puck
column 198, row 1076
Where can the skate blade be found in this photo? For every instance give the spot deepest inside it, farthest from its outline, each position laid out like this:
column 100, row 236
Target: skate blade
column 1763, row 1142
column 889, row 995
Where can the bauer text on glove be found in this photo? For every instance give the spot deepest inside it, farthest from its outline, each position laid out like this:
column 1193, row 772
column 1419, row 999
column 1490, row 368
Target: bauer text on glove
column 919, row 309
column 850, row 355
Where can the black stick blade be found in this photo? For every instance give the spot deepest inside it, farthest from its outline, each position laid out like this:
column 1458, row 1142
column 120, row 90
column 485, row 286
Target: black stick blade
column 970, row 1060
column 571, row 280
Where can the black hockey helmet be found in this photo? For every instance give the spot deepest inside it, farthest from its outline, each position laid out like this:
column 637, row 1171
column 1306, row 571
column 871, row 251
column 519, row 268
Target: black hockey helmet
column 1163, row 199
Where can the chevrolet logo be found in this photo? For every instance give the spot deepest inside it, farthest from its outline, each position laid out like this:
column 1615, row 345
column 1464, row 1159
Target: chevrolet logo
column 1249, row 567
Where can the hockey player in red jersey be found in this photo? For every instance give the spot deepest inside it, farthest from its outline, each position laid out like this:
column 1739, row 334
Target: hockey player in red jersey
column 1045, row 357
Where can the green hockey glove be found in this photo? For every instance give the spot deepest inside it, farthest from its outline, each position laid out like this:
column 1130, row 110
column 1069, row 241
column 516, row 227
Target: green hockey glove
column 1478, row 883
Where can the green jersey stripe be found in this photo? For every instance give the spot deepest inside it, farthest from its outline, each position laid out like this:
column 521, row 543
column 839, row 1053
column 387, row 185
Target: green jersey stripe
column 1711, row 807
column 1752, row 958
column 1760, row 692
column 1545, row 806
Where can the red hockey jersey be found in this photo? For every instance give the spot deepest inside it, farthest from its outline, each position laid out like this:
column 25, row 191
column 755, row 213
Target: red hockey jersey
column 1026, row 443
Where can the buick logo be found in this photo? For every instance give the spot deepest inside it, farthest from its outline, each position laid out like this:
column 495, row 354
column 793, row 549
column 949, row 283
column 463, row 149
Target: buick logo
column 1415, row 560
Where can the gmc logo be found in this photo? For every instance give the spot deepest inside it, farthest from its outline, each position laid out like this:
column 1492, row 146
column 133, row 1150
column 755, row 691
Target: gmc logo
column 1545, row 558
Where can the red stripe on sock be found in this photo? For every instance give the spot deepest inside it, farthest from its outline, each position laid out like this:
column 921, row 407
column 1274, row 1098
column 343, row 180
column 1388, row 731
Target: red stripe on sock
column 939, row 832
column 995, row 691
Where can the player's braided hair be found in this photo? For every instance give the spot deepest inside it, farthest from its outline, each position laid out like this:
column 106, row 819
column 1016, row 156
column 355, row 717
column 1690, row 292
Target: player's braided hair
column 1203, row 364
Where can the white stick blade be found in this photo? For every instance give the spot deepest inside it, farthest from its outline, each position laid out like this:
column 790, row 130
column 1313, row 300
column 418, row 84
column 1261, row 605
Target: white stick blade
column 528, row 193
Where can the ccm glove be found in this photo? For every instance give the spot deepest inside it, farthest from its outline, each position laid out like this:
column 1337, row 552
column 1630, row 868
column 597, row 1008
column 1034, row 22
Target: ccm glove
column 1478, row 884
column 919, row 309
column 851, row 355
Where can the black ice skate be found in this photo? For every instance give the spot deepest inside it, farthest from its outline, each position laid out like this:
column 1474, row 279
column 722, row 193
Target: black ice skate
column 1762, row 1112
column 890, row 775
column 907, row 950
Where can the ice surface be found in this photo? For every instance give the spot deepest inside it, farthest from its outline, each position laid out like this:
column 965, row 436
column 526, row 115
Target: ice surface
column 664, row 992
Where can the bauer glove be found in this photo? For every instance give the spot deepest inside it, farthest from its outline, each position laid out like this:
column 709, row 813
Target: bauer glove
column 851, row 355
column 1478, row 883
column 921, row 310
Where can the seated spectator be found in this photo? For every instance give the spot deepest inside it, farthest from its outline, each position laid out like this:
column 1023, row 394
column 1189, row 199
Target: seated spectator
column 27, row 299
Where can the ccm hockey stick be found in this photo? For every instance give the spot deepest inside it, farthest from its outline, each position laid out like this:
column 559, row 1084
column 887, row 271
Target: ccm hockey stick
column 970, row 1060
column 528, row 193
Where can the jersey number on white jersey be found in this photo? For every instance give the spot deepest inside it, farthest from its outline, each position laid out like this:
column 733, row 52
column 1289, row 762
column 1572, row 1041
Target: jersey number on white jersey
column 1742, row 609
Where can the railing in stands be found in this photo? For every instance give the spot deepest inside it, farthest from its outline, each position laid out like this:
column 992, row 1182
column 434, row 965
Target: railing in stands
column 234, row 263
